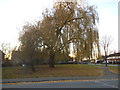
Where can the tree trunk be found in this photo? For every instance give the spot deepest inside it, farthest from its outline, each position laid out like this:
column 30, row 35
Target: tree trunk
column 32, row 64
column 33, row 67
column 51, row 60
column 106, row 61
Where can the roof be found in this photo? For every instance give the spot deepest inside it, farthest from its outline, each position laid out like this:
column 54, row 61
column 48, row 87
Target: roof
column 114, row 54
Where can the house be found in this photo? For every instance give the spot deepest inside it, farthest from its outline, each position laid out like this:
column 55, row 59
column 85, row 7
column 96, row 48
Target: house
column 2, row 58
column 114, row 58
column 16, row 58
column 19, row 58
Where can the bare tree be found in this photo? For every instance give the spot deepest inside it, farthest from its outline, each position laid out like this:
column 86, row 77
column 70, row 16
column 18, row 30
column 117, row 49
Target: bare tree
column 7, row 49
column 105, row 43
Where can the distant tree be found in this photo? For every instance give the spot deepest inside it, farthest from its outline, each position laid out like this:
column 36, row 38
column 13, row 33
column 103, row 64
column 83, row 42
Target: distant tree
column 105, row 44
column 7, row 49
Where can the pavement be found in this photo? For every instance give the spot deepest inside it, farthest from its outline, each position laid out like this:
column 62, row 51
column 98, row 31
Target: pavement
column 107, row 75
column 116, row 65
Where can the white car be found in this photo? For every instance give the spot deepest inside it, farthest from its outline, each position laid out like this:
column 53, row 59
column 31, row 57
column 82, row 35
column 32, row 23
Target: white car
column 105, row 62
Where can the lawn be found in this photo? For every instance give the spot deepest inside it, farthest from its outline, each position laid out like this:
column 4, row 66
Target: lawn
column 45, row 71
column 114, row 69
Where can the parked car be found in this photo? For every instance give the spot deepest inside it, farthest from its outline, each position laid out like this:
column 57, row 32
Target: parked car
column 70, row 62
column 105, row 62
column 84, row 62
column 62, row 62
column 98, row 61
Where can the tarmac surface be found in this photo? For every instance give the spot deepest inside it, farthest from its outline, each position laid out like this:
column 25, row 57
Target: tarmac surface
column 67, row 84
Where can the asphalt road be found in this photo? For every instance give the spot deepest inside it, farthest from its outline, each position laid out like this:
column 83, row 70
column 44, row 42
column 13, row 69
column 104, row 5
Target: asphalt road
column 66, row 84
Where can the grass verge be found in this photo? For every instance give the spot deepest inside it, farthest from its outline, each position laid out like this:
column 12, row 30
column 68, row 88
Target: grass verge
column 45, row 71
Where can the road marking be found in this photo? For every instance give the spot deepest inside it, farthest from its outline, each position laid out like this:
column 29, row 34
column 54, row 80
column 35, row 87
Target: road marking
column 106, row 84
column 54, row 81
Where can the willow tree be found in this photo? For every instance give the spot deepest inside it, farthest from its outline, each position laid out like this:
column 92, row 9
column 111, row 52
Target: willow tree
column 69, row 22
column 65, row 23
column 30, row 44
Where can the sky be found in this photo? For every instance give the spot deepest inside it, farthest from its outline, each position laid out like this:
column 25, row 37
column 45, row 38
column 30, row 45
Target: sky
column 108, row 20
column 15, row 13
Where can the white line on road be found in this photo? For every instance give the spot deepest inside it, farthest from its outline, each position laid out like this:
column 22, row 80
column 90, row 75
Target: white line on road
column 106, row 84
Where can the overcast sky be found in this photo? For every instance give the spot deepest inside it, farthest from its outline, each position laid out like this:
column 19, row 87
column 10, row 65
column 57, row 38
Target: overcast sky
column 108, row 20
column 15, row 13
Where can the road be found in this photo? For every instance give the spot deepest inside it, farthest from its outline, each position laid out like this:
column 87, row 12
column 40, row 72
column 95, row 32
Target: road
column 66, row 84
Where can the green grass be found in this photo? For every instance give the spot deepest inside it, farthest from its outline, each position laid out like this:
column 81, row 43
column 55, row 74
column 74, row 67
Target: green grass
column 45, row 71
